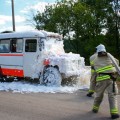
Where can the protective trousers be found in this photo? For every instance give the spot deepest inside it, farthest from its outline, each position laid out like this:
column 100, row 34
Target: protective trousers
column 93, row 82
column 101, row 86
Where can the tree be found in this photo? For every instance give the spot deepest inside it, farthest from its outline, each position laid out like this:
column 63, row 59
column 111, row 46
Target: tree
column 113, row 28
column 86, row 19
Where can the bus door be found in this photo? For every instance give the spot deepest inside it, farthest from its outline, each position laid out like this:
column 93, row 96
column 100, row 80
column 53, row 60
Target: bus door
column 30, row 56
column 11, row 57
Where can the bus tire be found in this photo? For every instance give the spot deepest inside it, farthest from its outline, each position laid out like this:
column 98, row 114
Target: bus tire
column 52, row 76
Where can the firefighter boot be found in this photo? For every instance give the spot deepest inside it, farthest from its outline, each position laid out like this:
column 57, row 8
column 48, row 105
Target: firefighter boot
column 115, row 116
column 89, row 94
column 95, row 109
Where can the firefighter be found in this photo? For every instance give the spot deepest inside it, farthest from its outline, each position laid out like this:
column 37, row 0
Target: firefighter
column 106, row 71
column 93, row 77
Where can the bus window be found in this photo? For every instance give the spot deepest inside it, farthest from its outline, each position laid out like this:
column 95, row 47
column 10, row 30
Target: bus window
column 4, row 46
column 13, row 45
column 31, row 45
column 19, row 45
column 16, row 45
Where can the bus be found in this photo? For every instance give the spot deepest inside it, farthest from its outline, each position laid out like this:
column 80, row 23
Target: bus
column 37, row 55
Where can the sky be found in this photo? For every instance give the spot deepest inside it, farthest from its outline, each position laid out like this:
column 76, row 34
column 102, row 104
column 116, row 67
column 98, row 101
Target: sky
column 24, row 10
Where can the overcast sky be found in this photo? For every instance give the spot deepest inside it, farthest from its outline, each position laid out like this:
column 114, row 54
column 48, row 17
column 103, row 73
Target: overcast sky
column 23, row 11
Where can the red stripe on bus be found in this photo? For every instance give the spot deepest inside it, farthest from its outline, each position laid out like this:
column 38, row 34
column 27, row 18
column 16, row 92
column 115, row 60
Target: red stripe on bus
column 11, row 54
column 12, row 72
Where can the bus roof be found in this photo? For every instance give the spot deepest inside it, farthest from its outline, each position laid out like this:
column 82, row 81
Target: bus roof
column 24, row 34
column 51, row 34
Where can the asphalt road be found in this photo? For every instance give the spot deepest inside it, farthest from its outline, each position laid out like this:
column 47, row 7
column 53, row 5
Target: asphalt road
column 50, row 106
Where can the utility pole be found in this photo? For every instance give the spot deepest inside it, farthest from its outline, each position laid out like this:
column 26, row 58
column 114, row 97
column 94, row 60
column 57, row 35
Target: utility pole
column 13, row 16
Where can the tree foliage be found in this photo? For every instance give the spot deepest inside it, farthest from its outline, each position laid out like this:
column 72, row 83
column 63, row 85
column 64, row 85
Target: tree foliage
column 86, row 19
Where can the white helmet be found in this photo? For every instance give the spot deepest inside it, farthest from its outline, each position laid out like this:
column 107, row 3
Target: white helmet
column 101, row 48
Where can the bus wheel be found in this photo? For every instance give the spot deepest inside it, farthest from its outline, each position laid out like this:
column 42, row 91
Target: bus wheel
column 2, row 79
column 52, row 77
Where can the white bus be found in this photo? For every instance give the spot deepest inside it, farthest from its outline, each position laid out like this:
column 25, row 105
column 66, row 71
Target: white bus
column 37, row 55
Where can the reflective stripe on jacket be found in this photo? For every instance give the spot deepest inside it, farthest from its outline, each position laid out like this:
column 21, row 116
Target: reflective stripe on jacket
column 103, row 77
column 103, row 69
column 103, row 65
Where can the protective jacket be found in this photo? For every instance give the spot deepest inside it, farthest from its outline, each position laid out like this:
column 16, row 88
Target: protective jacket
column 92, row 58
column 103, row 67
